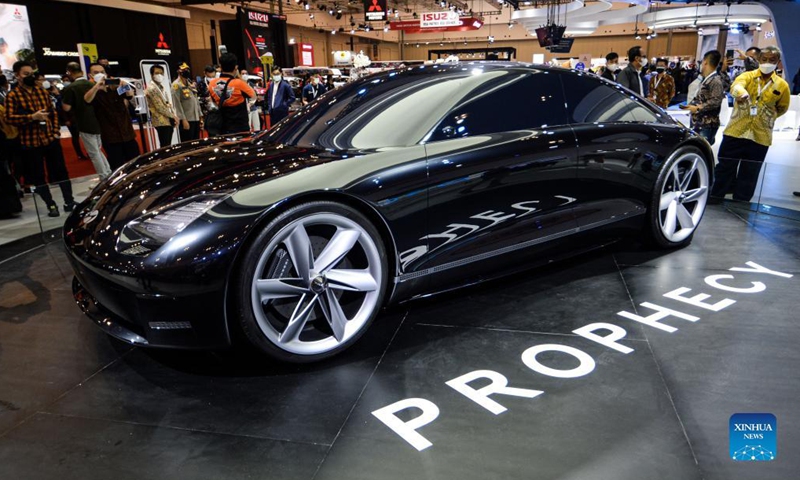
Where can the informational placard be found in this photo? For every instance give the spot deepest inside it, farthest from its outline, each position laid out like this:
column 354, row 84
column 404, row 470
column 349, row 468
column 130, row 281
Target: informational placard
column 306, row 55
column 585, row 59
column 439, row 19
column 342, row 57
column 16, row 42
column 375, row 10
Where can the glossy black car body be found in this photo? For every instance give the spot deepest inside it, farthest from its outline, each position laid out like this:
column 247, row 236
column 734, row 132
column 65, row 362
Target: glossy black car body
column 467, row 171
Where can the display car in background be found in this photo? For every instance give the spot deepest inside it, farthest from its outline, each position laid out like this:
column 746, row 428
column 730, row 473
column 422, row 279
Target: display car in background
column 397, row 185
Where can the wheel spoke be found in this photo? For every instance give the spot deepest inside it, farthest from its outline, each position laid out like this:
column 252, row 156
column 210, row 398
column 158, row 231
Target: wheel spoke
column 355, row 280
column 334, row 314
column 688, row 176
column 667, row 198
column 696, row 194
column 339, row 246
column 298, row 319
column 270, row 289
column 670, row 222
column 684, row 217
column 299, row 247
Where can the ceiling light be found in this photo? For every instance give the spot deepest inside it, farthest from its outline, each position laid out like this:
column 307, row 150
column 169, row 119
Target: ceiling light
column 491, row 38
column 333, row 32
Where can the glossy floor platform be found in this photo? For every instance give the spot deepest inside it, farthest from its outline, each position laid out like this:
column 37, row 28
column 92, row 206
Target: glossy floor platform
column 75, row 404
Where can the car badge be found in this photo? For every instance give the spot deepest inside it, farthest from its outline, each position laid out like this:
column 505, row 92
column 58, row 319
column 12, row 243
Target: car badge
column 90, row 217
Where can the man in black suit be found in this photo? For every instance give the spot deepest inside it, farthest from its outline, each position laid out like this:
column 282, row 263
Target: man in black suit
column 629, row 77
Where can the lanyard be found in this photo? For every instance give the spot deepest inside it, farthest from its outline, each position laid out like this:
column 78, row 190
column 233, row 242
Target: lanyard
column 314, row 90
column 760, row 89
column 658, row 80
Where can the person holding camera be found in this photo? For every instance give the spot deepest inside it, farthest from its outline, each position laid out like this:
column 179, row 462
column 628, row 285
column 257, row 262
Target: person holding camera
column 110, row 100
column 30, row 109
column 162, row 115
column 187, row 104
column 83, row 113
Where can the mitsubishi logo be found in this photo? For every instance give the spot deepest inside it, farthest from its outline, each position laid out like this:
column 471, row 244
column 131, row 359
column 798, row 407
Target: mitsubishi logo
column 162, row 44
column 375, row 7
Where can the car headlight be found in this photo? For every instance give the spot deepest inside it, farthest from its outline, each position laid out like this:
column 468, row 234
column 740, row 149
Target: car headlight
column 154, row 229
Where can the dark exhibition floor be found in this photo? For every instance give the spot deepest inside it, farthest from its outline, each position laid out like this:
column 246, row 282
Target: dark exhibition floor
column 76, row 404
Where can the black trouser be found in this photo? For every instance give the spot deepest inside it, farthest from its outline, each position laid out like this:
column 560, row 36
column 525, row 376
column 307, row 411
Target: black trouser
column 12, row 152
column 740, row 160
column 193, row 133
column 76, row 140
column 119, row 153
column 276, row 116
column 165, row 135
column 35, row 160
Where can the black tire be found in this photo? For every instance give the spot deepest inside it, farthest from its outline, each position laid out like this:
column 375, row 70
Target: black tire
column 653, row 230
column 242, row 283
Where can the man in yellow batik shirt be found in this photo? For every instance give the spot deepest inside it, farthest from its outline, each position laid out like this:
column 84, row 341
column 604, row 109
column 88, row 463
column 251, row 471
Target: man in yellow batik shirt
column 761, row 97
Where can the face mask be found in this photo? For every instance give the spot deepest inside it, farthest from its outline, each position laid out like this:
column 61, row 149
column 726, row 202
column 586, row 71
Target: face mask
column 216, row 75
column 98, row 77
column 46, row 85
column 65, row 83
column 29, row 81
column 767, row 68
column 277, row 78
column 158, row 78
column 613, row 67
column 186, row 74
column 660, row 69
column 644, row 62
column 315, row 81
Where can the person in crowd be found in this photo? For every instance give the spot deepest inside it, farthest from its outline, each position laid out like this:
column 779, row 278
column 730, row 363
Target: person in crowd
column 204, row 95
column 187, row 104
column 612, row 66
column 760, row 98
column 111, row 108
column 722, row 71
column 280, row 97
column 83, row 114
column 68, row 119
column 162, row 114
column 243, row 73
column 629, row 76
column 313, row 89
column 706, row 105
column 329, row 85
column 750, row 57
column 253, row 107
column 29, row 108
column 230, row 94
column 4, row 86
column 662, row 86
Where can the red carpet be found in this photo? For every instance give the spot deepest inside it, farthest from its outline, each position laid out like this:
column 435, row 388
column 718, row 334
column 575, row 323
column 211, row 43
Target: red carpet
column 80, row 168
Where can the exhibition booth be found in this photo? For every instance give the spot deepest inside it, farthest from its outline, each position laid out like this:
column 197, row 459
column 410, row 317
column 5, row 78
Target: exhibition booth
column 452, row 265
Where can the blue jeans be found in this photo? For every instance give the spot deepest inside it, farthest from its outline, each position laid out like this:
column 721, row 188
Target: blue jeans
column 709, row 133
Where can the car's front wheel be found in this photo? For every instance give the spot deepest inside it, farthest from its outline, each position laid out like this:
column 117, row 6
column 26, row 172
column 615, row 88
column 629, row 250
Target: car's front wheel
column 311, row 283
column 679, row 199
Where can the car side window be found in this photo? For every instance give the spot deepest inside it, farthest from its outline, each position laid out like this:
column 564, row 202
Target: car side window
column 590, row 100
column 516, row 100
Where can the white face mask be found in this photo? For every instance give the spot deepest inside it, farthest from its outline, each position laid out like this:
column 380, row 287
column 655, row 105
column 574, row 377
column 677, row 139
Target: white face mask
column 98, row 77
column 158, row 78
column 277, row 78
column 613, row 67
column 216, row 75
column 767, row 68
column 46, row 85
column 644, row 62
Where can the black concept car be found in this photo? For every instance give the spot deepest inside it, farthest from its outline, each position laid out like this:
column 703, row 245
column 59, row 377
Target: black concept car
column 395, row 186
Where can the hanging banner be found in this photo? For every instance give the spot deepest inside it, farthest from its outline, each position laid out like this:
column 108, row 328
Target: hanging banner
column 88, row 53
column 375, row 10
column 435, row 23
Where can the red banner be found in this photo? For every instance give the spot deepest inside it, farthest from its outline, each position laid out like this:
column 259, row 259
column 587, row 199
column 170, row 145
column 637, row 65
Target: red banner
column 414, row 26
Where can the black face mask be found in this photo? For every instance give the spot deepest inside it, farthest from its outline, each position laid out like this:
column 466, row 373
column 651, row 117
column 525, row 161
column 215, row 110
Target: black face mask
column 29, row 81
column 660, row 69
column 186, row 74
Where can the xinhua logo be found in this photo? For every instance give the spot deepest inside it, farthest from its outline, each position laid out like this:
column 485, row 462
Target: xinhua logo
column 753, row 437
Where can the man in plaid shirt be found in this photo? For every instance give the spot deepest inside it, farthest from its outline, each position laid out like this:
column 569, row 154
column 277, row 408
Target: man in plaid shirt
column 30, row 109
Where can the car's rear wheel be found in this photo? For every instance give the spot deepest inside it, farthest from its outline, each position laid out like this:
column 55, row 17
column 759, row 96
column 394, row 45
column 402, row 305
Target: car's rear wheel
column 679, row 199
column 312, row 282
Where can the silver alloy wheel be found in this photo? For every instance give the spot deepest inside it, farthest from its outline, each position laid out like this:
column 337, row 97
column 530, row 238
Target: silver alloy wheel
column 315, row 283
column 683, row 197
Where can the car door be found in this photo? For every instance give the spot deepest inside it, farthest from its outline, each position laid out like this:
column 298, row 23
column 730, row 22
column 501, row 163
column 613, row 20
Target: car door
column 621, row 145
column 501, row 169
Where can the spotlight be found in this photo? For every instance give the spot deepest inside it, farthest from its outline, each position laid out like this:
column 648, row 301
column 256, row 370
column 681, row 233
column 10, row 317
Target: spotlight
column 654, row 34
column 307, row 6
column 366, row 28
column 491, row 38
column 311, row 16
column 638, row 37
column 333, row 32
column 510, row 25
column 352, row 32
column 418, row 45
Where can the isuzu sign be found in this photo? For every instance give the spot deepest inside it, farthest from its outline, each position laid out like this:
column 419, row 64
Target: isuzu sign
column 439, row 19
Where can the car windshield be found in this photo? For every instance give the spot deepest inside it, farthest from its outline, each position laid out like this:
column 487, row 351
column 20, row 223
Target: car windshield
column 391, row 109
